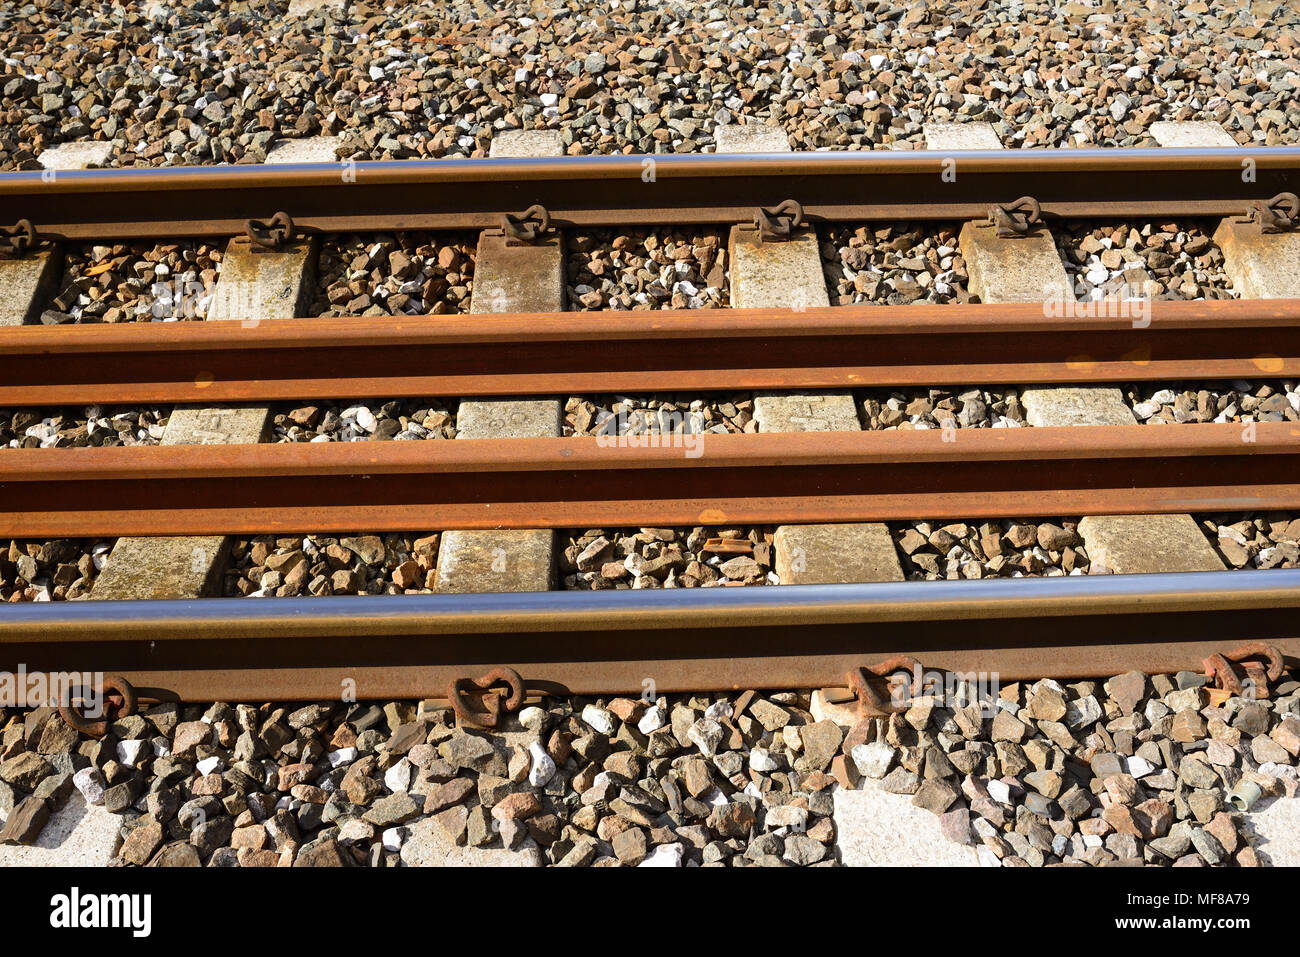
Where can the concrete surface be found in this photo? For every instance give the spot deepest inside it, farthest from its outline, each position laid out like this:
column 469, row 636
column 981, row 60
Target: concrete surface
column 509, row 278
column 311, row 149
column 509, row 418
column 1260, row 265
column 960, row 136
column 1023, row 269
column 1141, row 544
column 26, row 282
column 778, row 274
column 750, row 138
column 1185, row 133
column 429, row 846
column 526, row 144
column 1276, row 824
column 806, row 412
column 831, row 554
column 254, row 284
column 75, row 155
column 76, row 835
column 1076, row 405
column 879, row 829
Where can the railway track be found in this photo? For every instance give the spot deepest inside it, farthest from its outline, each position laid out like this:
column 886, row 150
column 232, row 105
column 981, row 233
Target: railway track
column 803, row 636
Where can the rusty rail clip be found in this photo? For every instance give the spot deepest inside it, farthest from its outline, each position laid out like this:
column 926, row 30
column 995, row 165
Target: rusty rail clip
column 118, row 705
column 22, row 236
column 779, row 221
column 1226, row 669
column 1016, row 219
column 527, row 226
column 273, row 235
column 874, row 691
column 1276, row 215
column 492, row 701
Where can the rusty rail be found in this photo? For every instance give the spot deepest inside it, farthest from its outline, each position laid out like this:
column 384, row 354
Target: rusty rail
column 694, row 479
column 796, row 636
column 670, row 189
column 849, row 346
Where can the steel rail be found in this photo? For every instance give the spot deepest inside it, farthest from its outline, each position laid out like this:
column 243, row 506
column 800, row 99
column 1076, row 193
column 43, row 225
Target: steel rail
column 847, row 346
column 650, row 190
column 698, row 479
column 684, row 640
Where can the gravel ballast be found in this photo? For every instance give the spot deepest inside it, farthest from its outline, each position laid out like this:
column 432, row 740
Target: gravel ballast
column 1255, row 541
column 892, row 264
column 193, row 84
column 933, row 551
column 1148, row 260
column 54, row 570
column 601, row 559
column 647, row 269
column 1162, row 403
column 80, row 427
column 366, row 420
column 287, row 567
column 384, row 275
column 168, row 282
column 1134, row 769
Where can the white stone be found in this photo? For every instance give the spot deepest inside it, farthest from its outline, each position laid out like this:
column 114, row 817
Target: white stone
column 665, row 855
column 718, row 710
column 208, row 765
column 599, row 719
column 533, row 718
column 760, row 760
column 128, row 752
column 394, row 838
column 654, row 719
column 356, row 830
column 1082, row 712
column 75, row 155
column 787, row 815
column 90, row 782
column 543, row 765
column 706, row 735
column 873, row 759
column 1000, row 791
column 341, row 756
column 1139, row 767
column 398, row 777
column 986, row 856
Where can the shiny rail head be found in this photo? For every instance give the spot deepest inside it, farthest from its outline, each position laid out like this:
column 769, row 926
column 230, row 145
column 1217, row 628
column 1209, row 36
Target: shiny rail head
column 707, row 607
column 632, row 166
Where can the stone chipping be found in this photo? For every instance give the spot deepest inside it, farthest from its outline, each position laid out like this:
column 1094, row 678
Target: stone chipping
column 647, row 269
column 699, row 557
column 934, row 551
column 1169, row 403
column 893, row 264
column 137, row 282
column 201, row 83
column 57, row 570
column 1135, row 769
column 312, row 565
column 1148, row 260
column 407, row 274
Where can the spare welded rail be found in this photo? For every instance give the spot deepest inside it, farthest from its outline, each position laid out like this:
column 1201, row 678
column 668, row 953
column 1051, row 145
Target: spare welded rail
column 663, row 189
column 608, row 642
column 848, row 346
column 704, row 479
